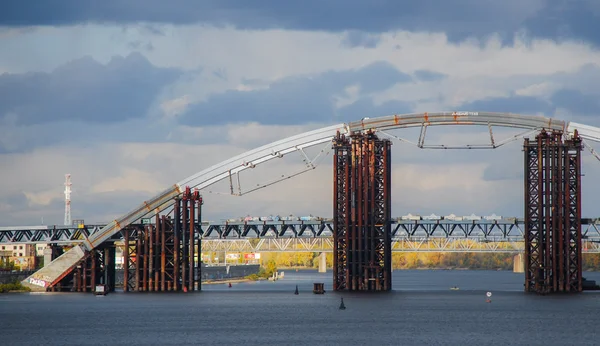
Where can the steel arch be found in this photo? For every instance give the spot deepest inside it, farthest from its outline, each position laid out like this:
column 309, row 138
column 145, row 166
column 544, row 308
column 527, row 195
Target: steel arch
column 282, row 147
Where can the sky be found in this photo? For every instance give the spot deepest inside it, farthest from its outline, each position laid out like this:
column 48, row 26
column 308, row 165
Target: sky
column 132, row 97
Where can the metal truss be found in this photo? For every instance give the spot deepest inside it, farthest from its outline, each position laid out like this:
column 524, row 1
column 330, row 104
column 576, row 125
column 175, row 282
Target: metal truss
column 47, row 234
column 341, row 190
column 409, row 236
column 465, row 229
column 397, row 245
column 452, row 244
column 572, row 236
column 267, row 228
column 458, row 245
column 269, row 245
column 500, row 230
column 493, row 144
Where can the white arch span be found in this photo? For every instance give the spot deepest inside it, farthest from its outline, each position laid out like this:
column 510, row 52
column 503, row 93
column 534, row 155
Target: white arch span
column 277, row 149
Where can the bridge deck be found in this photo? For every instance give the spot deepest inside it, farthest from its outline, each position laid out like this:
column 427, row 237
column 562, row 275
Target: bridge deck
column 478, row 230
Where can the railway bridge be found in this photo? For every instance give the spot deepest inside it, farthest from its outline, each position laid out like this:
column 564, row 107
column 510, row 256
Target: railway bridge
column 361, row 227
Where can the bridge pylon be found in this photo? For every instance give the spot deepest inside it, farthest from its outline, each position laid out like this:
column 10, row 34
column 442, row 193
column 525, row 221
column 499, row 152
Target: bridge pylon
column 553, row 259
column 162, row 256
column 362, row 256
column 157, row 257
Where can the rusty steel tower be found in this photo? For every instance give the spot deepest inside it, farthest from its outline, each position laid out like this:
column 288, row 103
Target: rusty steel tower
column 362, row 258
column 553, row 213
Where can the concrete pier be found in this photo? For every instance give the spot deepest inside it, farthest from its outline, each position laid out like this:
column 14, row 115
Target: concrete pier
column 322, row 263
column 518, row 264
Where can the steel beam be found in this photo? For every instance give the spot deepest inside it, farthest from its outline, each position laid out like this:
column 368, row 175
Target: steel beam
column 552, row 213
column 362, row 232
column 492, row 230
column 341, row 224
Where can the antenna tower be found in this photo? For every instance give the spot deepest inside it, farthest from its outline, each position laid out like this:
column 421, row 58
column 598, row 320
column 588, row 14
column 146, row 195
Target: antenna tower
column 68, row 199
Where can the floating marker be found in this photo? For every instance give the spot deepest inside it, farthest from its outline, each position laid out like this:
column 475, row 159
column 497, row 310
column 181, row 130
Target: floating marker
column 342, row 306
column 296, row 291
column 488, row 295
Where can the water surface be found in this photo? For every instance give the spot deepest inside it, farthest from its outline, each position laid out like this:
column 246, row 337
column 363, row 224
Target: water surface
column 421, row 310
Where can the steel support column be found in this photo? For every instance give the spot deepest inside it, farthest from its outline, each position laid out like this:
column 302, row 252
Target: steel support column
column 552, row 213
column 572, row 204
column 96, row 268
column 341, row 209
column 362, row 199
column 158, row 256
column 129, row 258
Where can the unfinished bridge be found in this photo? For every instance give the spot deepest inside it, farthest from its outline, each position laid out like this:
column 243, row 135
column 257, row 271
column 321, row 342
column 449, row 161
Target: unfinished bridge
column 361, row 224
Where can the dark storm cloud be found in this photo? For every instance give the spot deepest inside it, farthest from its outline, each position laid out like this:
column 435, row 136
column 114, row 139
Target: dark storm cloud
column 85, row 90
column 459, row 19
column 296, row 100
column 567, row 19
column 577, row 102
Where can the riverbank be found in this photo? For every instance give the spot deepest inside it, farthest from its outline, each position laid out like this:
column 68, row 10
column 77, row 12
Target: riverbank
column 226, row 281
column 14, row 287
column 396, row 269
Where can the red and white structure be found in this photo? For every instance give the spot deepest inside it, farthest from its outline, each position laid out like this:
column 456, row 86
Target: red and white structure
column 68, row 199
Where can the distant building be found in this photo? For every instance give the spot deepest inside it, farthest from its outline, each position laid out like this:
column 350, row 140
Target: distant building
column 22, row 255
column 39, row 249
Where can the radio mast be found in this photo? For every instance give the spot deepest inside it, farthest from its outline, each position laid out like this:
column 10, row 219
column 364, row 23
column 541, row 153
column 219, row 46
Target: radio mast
column 68, row 199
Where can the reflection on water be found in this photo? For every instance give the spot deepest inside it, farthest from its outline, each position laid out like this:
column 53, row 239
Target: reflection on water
column 422, row 310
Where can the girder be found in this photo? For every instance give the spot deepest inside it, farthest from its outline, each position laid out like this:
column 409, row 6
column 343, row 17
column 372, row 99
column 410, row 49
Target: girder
column 398, row 244
column 498, row 230
column 407, row 236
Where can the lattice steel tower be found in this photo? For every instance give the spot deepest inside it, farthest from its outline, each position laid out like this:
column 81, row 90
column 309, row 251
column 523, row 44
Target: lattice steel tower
column 68, row 199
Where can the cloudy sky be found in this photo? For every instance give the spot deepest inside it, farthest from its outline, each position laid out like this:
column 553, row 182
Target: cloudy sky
column 131, row 97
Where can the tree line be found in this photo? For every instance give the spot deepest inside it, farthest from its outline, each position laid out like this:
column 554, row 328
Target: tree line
column 419, row 260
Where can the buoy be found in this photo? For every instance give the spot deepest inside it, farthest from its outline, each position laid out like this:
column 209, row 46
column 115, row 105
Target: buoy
column 296, row 291
column 230, row 285
column 342, row 306
column 489, row 296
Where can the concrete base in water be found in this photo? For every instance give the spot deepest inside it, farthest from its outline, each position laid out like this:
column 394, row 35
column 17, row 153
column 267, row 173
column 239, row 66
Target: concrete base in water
column 518, row 263
column 322, row 263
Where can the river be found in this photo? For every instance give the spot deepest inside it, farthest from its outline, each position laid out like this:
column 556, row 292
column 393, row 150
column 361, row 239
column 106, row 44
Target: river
column 421, row 310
